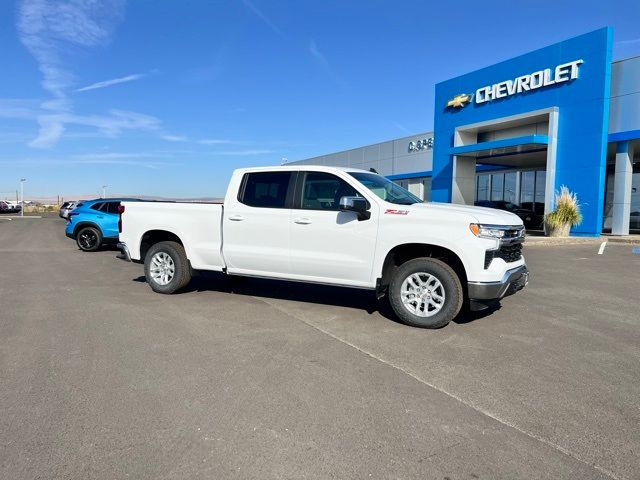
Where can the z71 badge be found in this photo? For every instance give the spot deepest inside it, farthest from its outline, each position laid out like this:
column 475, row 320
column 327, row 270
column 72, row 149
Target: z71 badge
column 392, row 211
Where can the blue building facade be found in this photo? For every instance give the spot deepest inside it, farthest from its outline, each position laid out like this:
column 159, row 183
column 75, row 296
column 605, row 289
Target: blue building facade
column 518, row 130
column 566, row 86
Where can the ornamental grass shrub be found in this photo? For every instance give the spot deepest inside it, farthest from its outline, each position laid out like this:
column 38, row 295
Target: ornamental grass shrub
column 567, row 211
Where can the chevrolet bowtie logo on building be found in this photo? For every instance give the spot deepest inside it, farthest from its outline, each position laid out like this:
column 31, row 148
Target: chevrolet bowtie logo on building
column 459, row 100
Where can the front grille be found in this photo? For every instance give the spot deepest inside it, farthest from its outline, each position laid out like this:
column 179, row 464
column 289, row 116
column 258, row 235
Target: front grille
column 509, row 253
column 514, row 232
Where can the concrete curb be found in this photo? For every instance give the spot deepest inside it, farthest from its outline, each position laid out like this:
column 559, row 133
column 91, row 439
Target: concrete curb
column 548, row 241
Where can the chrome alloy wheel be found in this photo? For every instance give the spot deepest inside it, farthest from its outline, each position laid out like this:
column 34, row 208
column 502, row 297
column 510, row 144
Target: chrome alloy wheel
column 422, row 294
column 162, row 268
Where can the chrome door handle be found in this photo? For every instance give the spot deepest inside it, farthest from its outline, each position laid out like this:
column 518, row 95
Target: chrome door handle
column 236, row 218
column 302, row 221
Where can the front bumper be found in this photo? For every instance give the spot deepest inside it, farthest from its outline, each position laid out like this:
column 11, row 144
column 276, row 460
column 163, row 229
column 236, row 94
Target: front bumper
column 512, row 281
column 125, row 251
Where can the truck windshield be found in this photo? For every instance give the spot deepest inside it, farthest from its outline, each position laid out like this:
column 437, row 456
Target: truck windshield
column 385, row 188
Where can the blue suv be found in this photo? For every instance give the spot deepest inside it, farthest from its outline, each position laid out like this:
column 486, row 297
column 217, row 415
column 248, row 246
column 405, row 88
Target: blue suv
column 94, row 223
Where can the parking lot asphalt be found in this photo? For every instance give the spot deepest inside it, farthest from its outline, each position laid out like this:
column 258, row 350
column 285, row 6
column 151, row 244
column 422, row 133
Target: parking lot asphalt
column 246, row 378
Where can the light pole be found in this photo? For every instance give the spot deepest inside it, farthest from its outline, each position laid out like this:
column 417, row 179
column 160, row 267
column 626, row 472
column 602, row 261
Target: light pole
column 104, row 191
column 22, row 180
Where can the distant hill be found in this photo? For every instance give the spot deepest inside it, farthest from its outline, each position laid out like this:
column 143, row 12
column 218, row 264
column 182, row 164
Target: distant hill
column 53, row 200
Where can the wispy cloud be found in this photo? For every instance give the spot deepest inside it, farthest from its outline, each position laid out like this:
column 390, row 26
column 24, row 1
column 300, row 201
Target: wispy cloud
column 118, row 155
column 107, row 161
column 244, row 153
column 258, row 13
column 50, row 29
column 152, row 164
column 317, row 54
column 322, row 61
column 113, row 81
column 174, row 138
column 201, row 75
column 8, row 136
column 632, row 41
column 52, row 124
column 401, row 127
column 18, row 108
column 214, row 141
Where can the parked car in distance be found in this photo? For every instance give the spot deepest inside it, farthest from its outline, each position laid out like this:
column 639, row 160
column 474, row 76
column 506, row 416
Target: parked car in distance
column 7, row 206
column 529, row 217
column 65, row 208
column 15, row 207
column 337, row 226
column 93, row 223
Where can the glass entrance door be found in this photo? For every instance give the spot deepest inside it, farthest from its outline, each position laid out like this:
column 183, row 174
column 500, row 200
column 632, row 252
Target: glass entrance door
column 521, row 192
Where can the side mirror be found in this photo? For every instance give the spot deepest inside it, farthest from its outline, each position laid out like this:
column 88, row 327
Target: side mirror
column 355, row 204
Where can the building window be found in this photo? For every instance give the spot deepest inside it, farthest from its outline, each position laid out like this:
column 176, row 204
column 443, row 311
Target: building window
column 497, row 186
column 510, row 184
column 527, row 188
column 634, row 214
column 634, row 219
column 541, row 183
column 415, row 187
column 426, row 182
column 484, row 184
column 420, row 187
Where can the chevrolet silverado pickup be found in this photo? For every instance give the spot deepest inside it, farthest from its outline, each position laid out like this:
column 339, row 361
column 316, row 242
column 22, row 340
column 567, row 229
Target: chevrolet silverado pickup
column 337, row 226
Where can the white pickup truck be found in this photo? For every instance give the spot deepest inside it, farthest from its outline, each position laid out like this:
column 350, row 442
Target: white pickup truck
column 347, row 227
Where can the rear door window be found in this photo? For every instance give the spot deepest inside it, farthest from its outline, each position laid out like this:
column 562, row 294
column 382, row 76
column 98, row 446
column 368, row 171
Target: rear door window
column 112, row 207
column 266, row 189
column 97, row 206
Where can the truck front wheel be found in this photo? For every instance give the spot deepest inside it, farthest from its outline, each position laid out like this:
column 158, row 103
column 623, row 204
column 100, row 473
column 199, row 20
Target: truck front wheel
column 425, row 292
column 166, row 267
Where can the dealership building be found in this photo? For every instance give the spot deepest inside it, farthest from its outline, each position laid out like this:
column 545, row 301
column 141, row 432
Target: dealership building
column 518, row 130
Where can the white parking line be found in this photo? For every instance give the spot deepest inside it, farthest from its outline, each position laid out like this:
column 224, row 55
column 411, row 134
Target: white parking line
column 602, row 245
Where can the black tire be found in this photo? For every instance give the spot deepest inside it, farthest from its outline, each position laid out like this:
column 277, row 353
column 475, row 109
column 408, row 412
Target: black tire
column 449, row 281
column 182, row 270
column 89, row 239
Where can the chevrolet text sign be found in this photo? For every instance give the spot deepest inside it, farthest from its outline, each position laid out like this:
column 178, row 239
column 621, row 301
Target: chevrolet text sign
column 542, row 78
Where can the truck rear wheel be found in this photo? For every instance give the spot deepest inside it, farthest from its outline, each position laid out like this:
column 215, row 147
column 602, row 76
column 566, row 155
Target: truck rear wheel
column 425, row 292
column 166, row 267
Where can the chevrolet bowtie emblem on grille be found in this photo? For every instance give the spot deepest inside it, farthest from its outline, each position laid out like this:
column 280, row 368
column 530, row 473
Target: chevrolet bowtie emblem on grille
column 459, row 100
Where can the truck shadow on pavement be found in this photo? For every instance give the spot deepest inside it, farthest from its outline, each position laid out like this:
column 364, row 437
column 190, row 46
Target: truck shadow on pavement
column 306, row 292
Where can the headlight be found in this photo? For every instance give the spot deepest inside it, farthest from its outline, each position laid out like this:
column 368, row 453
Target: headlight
column 486, row 231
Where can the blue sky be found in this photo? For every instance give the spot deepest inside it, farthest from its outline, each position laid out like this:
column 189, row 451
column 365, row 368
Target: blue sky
column 159, row 97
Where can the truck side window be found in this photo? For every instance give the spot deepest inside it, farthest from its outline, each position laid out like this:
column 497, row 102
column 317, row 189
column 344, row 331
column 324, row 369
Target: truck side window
column 322, row 191
column 266, row 189
column 97, row 206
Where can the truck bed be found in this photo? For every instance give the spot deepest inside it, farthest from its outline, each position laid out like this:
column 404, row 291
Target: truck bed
column 198, row 225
